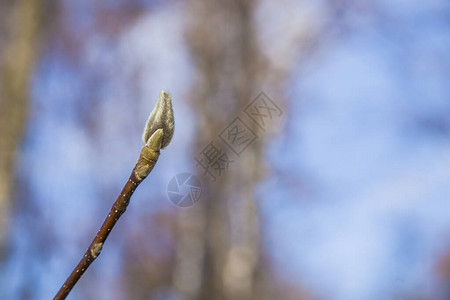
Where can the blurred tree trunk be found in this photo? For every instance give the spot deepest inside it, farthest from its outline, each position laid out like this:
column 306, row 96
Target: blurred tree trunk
column 20, row 25
column 218, row 244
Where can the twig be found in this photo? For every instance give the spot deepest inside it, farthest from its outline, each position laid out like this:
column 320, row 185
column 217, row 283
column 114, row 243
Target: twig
column 157, row 134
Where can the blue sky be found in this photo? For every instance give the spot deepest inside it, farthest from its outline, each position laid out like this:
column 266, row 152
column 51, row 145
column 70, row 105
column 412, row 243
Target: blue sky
column 378, row 212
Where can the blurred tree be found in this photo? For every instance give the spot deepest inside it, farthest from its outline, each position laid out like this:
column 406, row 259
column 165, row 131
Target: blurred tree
column 21, row 22
column 149, row 261
column 218, row 244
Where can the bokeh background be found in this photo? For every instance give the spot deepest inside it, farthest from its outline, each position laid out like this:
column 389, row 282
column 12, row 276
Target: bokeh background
column 344, row 196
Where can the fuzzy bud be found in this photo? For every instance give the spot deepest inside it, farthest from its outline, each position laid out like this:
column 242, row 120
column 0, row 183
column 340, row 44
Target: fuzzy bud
column 161, row 118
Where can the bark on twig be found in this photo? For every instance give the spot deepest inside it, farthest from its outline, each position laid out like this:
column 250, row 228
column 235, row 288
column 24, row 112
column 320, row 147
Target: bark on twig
column 155, row 137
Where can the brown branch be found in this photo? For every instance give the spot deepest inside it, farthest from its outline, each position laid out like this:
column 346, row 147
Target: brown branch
column 155, row 139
